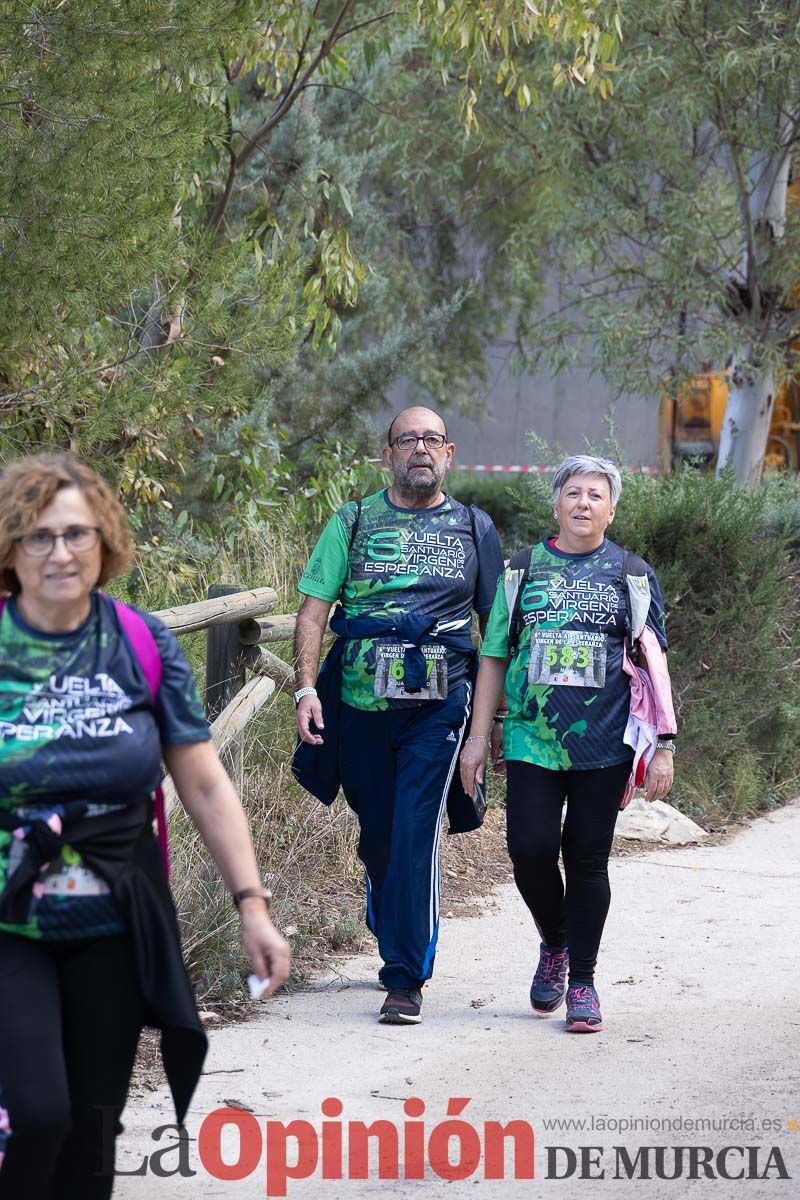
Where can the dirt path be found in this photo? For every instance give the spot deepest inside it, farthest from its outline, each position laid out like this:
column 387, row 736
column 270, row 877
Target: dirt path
column 700, row 983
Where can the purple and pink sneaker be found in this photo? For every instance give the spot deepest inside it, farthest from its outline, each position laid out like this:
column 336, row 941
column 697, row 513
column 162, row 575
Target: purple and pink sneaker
column 583, row 1009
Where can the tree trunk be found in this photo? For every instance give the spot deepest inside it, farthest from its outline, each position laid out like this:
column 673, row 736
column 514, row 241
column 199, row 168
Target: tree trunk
column 751, row 394
column 743, row 440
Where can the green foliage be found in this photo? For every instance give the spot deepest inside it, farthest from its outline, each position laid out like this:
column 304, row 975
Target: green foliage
column 732, row 595
column 492, row 37
column 125, row 328
column 782, row 510
column 174, row 225
column 652, row 210
column 501, row 496
column 380, row 159
column 259, row 490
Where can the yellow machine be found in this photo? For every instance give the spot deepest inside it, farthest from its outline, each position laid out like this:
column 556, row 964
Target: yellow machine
column 690, row 421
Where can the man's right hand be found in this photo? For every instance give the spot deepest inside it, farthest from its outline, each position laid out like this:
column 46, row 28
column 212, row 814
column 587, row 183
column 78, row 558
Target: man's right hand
column 309, row 709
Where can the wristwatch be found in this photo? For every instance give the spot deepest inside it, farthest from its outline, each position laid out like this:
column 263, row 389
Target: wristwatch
column 306, row 691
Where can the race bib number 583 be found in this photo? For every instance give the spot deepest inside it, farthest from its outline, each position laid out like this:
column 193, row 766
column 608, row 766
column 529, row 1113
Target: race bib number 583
column 568, row 658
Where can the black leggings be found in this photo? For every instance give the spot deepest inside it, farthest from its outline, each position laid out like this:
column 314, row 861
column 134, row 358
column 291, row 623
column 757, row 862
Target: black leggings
column 535, row 799
column 70, row 1017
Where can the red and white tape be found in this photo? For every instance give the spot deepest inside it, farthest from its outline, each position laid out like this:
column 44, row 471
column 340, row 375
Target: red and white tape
column 523, row 468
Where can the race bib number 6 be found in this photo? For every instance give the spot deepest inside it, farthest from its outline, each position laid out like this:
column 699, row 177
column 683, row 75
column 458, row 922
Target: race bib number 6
column 390, row 673
column 568, row 658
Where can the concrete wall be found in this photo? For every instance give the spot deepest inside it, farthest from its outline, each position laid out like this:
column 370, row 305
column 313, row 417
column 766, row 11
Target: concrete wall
column 565, row 410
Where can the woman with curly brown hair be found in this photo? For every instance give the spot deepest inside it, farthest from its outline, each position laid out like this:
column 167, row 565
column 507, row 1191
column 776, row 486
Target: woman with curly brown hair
column 92, row 695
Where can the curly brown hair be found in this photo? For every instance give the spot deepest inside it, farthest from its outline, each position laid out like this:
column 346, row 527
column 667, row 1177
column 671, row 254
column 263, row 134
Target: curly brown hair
column 29, row 485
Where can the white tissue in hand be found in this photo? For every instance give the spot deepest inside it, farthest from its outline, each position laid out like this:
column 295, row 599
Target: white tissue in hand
column 257, row 986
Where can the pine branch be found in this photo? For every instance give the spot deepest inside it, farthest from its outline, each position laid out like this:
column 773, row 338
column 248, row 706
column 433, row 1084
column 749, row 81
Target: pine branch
column 295, row 88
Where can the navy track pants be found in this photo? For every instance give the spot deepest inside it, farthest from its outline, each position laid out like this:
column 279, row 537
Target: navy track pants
column 396, row 766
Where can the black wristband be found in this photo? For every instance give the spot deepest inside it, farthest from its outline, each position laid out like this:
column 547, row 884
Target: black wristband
column 253, row 893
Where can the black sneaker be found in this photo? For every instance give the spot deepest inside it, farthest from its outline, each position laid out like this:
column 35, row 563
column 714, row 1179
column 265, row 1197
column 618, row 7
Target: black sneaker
column 402, row 1007
column 550, row 981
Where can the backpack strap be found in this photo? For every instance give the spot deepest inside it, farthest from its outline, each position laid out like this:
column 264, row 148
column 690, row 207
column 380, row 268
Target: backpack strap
column 471, row 510
column 521, row 564
column 143, row 644
column 141, row 641
column 636, row 587
column 354, row 529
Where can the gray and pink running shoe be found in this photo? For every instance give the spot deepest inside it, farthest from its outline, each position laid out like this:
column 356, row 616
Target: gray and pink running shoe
column 583, row 1009
column 550, row 980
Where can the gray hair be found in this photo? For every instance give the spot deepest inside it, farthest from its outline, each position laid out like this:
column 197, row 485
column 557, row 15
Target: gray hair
column 587, row 464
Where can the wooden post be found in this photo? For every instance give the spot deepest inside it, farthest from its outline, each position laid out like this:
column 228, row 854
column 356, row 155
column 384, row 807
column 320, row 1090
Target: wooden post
column 224, row 674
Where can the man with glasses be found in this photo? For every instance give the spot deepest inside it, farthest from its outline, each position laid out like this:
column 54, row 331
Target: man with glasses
column 387, row 715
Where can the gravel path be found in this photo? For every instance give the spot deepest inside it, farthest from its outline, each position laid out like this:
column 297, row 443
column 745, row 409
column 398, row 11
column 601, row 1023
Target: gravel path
column 700, row 987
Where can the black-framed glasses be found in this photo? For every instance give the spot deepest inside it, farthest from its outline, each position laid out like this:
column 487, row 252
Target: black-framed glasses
column 409, row 441
column 80, row 539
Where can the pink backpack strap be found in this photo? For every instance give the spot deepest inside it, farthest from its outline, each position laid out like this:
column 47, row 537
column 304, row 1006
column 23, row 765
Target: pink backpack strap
column 143, row 644
column 144, row 647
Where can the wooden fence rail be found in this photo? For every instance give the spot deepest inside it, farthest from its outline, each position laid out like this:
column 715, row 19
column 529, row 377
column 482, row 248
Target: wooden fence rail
column 232, row 699
column 220, row 610
column 277, row 628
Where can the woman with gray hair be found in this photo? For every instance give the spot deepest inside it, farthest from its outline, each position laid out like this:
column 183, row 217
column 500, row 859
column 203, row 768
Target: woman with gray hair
column 556, row 640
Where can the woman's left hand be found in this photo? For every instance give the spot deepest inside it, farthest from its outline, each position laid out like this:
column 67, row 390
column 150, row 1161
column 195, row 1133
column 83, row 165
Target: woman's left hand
column 473, row 763
column 658, row 779
column 268, row 951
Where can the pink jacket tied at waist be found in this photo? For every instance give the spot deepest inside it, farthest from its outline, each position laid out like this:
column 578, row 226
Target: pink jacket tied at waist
column 651, row 706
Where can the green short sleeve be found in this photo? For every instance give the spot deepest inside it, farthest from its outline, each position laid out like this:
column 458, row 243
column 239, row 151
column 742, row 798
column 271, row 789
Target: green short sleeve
column 326, row 572
column 495, row 641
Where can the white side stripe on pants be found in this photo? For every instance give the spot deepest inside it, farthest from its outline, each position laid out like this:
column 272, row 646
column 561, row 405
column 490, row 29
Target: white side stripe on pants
column 435, row 863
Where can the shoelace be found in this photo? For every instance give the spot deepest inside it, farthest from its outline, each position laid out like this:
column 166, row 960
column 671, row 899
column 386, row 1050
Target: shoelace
column 584, row 997
column 552, row 964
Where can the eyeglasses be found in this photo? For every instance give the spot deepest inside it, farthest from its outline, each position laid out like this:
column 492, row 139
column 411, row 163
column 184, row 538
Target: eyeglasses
column 80, row 539
column 408, row 441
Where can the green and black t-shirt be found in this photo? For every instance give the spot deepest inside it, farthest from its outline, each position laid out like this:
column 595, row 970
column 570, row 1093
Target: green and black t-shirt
column 567, row 694
column 78, row 728
column 402, row 561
